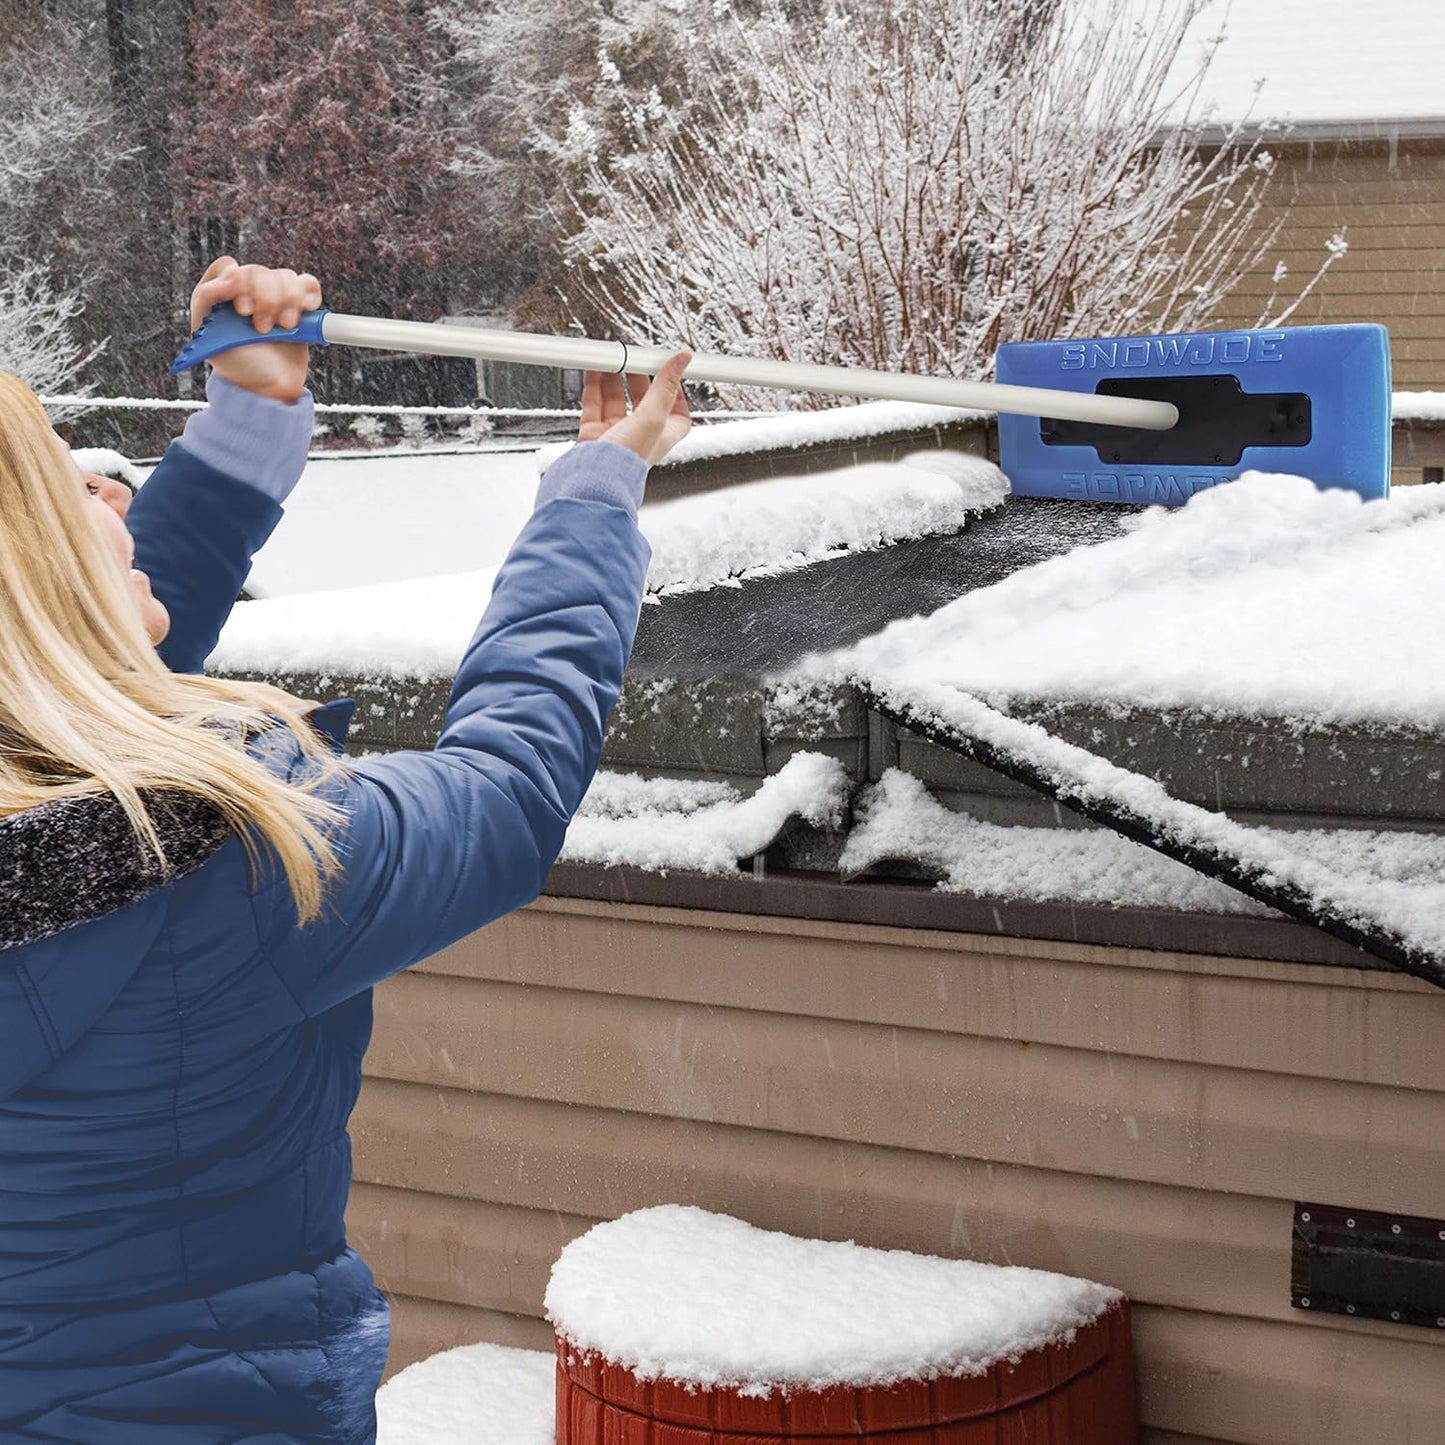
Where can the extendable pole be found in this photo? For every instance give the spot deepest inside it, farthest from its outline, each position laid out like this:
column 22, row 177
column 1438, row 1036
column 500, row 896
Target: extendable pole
column 223, row 329
column 580, row 353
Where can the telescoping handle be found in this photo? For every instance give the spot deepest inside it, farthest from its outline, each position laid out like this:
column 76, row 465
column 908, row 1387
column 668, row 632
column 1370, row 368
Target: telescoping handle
column 223, row 330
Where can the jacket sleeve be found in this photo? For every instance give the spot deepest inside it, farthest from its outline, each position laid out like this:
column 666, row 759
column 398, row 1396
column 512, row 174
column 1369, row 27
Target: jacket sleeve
column 436, row 845
column 208, row 508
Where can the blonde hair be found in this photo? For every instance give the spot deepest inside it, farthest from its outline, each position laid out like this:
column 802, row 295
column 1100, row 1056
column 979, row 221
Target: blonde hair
column 86, row 705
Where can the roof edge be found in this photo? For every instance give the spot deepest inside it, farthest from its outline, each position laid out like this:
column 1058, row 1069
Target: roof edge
column 786, row 894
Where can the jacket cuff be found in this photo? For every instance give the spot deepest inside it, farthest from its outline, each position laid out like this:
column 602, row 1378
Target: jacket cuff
column 599, row 471
column 253, row 439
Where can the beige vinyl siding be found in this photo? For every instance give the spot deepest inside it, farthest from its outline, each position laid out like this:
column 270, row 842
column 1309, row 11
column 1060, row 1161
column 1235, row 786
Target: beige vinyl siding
column 1390, row 203
column 1140, row 1118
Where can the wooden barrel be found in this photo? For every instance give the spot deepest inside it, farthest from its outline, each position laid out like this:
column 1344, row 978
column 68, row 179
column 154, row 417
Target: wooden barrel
column 1076, row 1389
column 1075, row 1393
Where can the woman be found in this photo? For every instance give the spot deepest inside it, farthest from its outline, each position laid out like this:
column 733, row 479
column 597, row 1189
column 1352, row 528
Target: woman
column 197, row 895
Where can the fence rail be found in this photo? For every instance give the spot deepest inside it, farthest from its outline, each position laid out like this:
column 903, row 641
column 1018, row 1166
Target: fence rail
column 1418, row 430
column 337, row 408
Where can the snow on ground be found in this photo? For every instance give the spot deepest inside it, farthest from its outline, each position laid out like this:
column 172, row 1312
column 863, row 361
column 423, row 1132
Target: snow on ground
column 677, row 1293
column 472, row 1395
column 421, row 627
column 704, row 827
column 1267, row 596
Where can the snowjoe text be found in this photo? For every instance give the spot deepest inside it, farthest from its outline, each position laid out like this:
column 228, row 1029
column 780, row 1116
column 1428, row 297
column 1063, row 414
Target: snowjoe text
column 1225, row 349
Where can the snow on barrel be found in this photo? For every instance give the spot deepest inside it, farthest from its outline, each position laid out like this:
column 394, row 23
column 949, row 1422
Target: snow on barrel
column 677, row 1325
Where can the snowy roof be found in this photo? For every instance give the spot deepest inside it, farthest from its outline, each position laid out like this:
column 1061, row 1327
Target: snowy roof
column 1337, row 889
column 1385, row 881
column 1277, row 609
column 359, row 521
column 1331, row 66
column 362, row 520
column 680, row 1294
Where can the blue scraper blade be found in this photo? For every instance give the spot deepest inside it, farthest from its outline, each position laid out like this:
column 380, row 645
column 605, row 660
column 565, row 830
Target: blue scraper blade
column 1313, row 401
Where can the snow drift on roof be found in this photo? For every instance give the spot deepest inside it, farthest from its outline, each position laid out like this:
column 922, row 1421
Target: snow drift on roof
column 705, row 827
column 899, row 819
column 767, row 527
column 1391, row 915
column 677, row 1293
column 363, row 520
column 1265, row 597
column 396, row 629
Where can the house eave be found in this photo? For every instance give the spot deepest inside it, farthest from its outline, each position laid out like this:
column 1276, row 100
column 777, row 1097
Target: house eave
column 1387, row 132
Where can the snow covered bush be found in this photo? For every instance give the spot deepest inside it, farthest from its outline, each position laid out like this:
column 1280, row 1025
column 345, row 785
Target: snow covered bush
column 36, row 342
column 906, row 186
column 368, row 430
column 476, row 428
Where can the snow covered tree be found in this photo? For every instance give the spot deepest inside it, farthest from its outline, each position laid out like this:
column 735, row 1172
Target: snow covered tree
column 58, row 151
column 319, row 137
column 907, row 186
column 519, row 71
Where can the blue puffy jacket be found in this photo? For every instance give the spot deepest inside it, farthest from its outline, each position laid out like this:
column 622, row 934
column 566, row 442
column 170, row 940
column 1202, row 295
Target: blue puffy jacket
column 177, row 1067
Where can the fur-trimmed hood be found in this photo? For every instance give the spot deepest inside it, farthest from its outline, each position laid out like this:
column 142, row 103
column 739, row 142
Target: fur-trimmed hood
column 77, row 859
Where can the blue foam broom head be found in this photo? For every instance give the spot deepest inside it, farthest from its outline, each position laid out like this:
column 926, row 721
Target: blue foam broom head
column 1310, row 400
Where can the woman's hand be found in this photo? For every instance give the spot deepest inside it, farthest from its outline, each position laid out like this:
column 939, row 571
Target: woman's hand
column 659, row 418
column 270, row 298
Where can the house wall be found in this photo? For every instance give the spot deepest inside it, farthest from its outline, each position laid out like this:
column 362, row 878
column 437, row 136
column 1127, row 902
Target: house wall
column 1390, row 201
column 1147, row 1119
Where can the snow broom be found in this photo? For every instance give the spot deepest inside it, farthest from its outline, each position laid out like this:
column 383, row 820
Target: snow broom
column 1142, row 419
